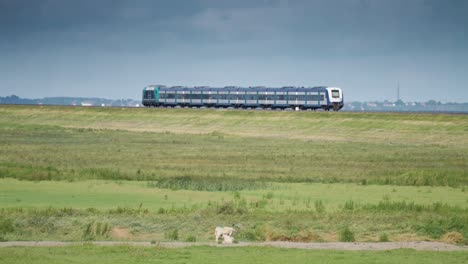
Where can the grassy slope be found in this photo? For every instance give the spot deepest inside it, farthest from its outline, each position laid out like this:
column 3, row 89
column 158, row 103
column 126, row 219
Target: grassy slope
column 405, row 149
column 436, row 129
column 124, row 254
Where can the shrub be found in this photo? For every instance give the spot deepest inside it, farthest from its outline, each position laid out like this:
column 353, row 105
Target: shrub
column 319, row 207
column 249, row 235
column 88, row 233
column 6, row 226
column 95, row 229
column 226, row 208
column 269, row 195
column 383, row 237
column 172, row 235
column 256, row 233
column 433, row 228
column 349, row 205
column 346, row 235
column 191, row 239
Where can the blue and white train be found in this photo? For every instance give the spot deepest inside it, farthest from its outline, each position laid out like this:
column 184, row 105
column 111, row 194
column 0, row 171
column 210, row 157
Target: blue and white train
column 323, row 97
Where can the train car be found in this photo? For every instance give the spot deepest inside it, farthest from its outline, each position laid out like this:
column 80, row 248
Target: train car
column 298, row 98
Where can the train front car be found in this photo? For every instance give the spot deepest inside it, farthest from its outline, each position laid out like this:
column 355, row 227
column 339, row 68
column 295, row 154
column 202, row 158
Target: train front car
column 150, row 96
column 335, row 96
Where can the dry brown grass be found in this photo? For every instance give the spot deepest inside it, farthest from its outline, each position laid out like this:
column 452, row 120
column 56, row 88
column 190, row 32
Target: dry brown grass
column 121, row 233
column 453, row 238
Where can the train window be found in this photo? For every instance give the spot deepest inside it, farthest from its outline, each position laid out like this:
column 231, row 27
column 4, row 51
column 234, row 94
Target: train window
column 292, row 97
column 149, row 94
column 281, row 97
column 335, row 94
column 315, row 97
column 195, row 96
column 215, row 96
column 251, row 97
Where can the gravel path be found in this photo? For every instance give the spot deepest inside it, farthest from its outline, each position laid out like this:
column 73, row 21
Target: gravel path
column 423, row 245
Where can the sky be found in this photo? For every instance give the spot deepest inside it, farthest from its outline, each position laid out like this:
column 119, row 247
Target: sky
column 114, row 48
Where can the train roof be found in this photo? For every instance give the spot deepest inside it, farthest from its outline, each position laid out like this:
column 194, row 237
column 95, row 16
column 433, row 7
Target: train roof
column 236, row 88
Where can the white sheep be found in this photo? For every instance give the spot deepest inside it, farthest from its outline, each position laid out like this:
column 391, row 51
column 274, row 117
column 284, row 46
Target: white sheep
column 228, row 239
column 221, row 231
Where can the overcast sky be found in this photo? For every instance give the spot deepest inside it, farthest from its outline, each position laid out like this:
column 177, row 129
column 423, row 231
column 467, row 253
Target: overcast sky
column 113, row 48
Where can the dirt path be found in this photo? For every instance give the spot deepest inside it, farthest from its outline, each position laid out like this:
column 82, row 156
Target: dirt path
column 423, row 245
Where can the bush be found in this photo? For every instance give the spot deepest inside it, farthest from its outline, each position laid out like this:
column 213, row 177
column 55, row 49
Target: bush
column 6, row 226
column 88, row 232
column 95, row 229
column 319, row 207
column 383, row 237
column 172, row 235
column 230, row 208
column 226, row 208
column 191, row 239
column 432, row 228
column 269, row 195
column 256, row 233
column 349, row 205
column 347, row 235
column 249, row 235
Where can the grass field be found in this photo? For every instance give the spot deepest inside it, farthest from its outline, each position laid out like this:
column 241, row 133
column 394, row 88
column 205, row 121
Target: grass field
column 126, row 254
column 150, row 144
column 173, row 174
column 102, row 194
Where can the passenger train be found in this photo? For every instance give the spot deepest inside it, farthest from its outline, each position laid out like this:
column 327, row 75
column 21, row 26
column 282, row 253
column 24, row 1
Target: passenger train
column 298, row 98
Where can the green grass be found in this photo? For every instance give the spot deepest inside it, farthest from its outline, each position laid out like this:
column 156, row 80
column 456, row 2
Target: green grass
column 101, row 194
column 62, row 210
column 437, row 129
column 39, row 144
column 82, row 173
column 401, row 221
column 127, row 254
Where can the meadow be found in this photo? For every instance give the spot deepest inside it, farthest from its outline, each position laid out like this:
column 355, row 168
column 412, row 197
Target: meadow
column 127, row 254
column 60, row 143
column 74, row 173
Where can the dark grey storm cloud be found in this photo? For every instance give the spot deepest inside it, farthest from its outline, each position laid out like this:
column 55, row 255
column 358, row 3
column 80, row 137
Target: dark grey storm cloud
column 114, row 48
